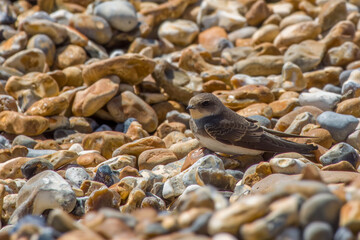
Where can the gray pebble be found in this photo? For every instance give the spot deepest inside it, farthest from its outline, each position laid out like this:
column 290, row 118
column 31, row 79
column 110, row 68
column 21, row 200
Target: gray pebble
column 120, row 14
column 341, row 152
column 324, row 207
column 77, row 175
column 339, row 125
column 263, row 121
column 332, row 88
column 23, row 140
column 39, row 152
column 318, row 231
column 175, row 116
column 326, row 101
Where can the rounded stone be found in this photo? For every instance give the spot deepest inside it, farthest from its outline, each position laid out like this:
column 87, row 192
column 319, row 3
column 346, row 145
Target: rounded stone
column 77, row 175
column 94, row 27
column 69, row 55
column 179, row 32
column 323, row 207
column 35, row 166
column 45, row 44
column 341, row 152
column 339, row 125
column 318, row 231
column 120, row 14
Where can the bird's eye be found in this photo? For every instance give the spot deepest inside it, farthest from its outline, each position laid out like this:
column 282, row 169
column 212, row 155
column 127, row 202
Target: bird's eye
column 205, row 103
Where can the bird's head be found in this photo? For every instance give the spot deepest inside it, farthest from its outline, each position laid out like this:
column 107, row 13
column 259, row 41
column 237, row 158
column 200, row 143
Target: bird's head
column 203, row 105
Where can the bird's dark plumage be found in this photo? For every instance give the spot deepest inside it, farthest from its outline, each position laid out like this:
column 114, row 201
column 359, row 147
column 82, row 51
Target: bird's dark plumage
column 214, row 123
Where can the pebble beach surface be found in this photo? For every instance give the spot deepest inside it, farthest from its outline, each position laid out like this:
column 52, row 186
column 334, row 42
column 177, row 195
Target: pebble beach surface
column 95, row 141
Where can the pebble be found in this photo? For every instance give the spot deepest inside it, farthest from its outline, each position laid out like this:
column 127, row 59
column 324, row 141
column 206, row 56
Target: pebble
column 95, row 141
column 318, row 230
column 120, row 15
column 340, row 152
column 339, row 125
column 48, row 184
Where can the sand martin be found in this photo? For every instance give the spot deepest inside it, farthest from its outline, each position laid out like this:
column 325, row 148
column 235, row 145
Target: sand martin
column 220, row 129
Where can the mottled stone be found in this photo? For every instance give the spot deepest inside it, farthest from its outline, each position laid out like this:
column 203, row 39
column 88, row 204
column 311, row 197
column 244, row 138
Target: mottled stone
column 69, row 55
column 90, row 100
column 94, row 27
column 297, row 33
column 341, row 152
column 307, row 54
column 258, row 12
column 46, row 190
column 321, row 207
column 48, row 106
column 150, row 158
column 25, row 61
column 130, row 68
column 179, row 32
column 120, row 15
column 135, row 107
column 18, row 123
column 40, row 84
column 13, row 45
column 331, row 13
column 137, row 147
column 260, row 66
column 45, row 44
column 105, row 142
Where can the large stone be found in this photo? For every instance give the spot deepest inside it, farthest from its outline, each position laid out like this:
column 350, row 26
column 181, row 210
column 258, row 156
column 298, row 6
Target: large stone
column 153, row 157
column 13, row 45
column 48, row 106
column 173, row 80
column 69, row 55
column 46, row 190
column 321, row 207
column 45, row 44
column 130, row 68
column 105, row 142
column 341, row 152
column 120, row 14
column 94, row 27
column 307, row 55
column 135, row 148
column 339, row 125
column 55, row 31
column 18, row 123
column 135, row 107
column 243, row 211
column 30, row 60
column 260, row 66
column 41, row 84
column 179, row 32
column 90, row 100
column 331, row 13
column 297, row 33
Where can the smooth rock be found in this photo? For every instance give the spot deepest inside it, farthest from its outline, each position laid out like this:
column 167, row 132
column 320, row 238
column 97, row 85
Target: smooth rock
column 339, row 125
column 340, row 152
column 179, row 32
column 325, row 101
column 318, row 230
column 321, row 207
column 25, row 61
column 121, row 15
column 46, row 190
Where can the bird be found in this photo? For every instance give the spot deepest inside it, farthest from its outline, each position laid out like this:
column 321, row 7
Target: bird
column 220, row 129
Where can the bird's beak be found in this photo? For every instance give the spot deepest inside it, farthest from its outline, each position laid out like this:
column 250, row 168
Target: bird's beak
column 190, row 107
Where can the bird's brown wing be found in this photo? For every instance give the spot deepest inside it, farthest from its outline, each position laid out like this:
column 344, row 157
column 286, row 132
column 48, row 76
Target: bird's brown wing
column 234, row 132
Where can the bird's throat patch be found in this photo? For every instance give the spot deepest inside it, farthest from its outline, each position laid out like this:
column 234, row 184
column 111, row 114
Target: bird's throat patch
column 196, row 114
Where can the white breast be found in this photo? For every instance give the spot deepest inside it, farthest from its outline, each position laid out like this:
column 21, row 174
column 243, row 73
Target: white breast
column 217, row 146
